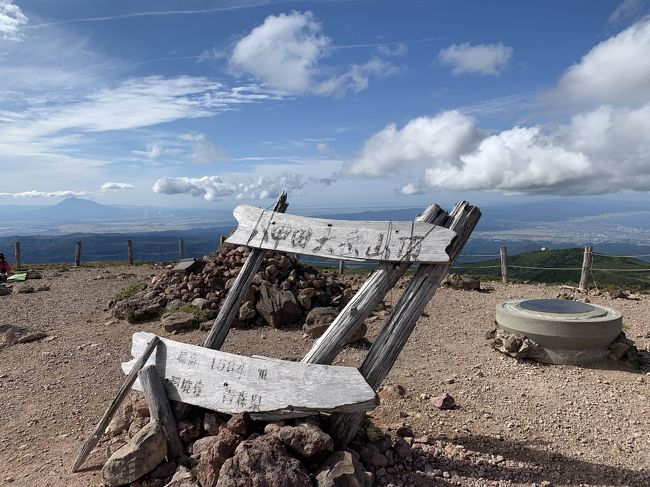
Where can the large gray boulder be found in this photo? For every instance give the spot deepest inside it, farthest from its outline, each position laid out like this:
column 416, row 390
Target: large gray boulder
column 278, row 308
column 307, row 440
column 263, row 462
column 138, row 457
column 177, row 320
column 343, row 469
column 319, row 319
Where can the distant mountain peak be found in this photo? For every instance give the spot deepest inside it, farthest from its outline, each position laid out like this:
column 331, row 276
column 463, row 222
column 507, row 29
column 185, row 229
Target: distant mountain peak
column 77, row 209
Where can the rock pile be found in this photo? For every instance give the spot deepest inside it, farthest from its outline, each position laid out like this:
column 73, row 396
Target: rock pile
column 226, row 451
column 235, row 451
column 282, row 292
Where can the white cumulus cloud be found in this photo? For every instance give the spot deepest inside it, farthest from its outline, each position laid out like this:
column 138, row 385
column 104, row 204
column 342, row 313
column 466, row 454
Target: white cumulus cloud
column 617, row 70
column 11, row 20
column 285, row 53
column 214, row 188
column 423, row 140
column 488, row 59
column 45, row 194
column 599, row 151
column 113, row 185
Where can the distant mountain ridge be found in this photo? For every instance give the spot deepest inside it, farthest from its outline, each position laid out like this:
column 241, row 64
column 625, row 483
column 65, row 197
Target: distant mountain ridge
column 79, row 209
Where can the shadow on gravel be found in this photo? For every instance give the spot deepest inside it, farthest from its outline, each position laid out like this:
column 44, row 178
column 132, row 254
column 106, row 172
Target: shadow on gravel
column 540, row 465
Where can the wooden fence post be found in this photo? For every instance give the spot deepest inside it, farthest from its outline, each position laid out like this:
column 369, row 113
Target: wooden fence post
column 504, row 264
column 18, row 264
column 341, row 266
column 181, row 248
column 77, row 254
column 129, row 247
column 586, row 268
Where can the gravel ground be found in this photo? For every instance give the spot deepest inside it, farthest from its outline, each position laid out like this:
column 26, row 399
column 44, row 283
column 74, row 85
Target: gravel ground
column 518, row 423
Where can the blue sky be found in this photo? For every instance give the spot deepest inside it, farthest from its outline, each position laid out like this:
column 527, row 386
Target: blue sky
column 341, row 103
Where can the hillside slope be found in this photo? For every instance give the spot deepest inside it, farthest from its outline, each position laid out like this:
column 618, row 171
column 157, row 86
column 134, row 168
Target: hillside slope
column 564, row 267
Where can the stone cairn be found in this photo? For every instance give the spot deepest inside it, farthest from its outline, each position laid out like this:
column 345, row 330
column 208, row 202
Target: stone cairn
column 231, row 451
column 282, row 294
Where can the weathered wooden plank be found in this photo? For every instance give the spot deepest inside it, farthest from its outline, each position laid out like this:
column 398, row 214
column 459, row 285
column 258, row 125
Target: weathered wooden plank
column 230, row 307
column 386, row 348
column 160, row 410
column 364, row 301
column 145, row 353
column 341, row 239
column 233, row 384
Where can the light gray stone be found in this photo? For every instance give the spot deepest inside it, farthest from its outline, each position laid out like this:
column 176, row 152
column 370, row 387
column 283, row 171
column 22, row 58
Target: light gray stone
column 138, row 457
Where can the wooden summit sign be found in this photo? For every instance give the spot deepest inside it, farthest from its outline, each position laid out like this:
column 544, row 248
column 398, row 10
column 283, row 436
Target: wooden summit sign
column 341, row 239
column 233, row 384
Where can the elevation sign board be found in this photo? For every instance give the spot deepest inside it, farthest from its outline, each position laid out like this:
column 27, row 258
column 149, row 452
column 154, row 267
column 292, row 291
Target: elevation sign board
column 409, row 241
column 232, row 384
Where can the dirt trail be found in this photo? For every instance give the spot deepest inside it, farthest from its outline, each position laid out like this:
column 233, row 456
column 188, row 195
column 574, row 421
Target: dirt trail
column 518, row 423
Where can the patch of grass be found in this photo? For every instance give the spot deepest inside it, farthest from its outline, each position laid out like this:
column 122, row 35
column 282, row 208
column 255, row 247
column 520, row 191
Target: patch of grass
column 372, row 432
column 200, row 316
column 130, row 290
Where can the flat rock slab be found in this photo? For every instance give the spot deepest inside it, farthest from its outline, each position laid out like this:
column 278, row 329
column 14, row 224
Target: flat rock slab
column 11, row 335
column 232, row 384
column 186, row 266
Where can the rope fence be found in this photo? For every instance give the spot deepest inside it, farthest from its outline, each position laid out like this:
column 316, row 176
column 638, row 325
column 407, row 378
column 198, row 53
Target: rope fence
column 170, row 250
column 587, row 269
column 31, row 250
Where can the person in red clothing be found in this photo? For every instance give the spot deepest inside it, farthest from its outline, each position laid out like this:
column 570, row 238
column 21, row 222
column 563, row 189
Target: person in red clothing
column 5, row 268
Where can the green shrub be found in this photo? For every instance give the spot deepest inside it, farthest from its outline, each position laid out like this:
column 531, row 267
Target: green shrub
column 130, row 290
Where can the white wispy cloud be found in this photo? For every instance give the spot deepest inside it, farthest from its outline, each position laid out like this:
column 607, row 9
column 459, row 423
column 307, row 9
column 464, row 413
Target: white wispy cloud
column 625, row 9
column 45, row 194
column 155, row 150
column 132, row 104
column 12, row 19
column 214, row 188
column 286, row 50
column 110, row 185
column 158, row 13
column 397, row 49
column 617, row 70
column 487, row 59
column 202, row 151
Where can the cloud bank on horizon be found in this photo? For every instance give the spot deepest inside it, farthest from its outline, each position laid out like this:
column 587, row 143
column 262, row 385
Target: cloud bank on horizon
column 296, row 100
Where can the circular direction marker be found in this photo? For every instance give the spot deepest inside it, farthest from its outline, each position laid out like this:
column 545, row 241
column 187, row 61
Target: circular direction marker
column 570, row 332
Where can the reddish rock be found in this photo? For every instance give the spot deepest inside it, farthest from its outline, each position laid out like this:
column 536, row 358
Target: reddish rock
column 188, row 430
column 306, row 440
column 241, row 424
column 278, row 308
column 263, row 462
column 212, row 423
column 216, row 451
column 444, row 402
